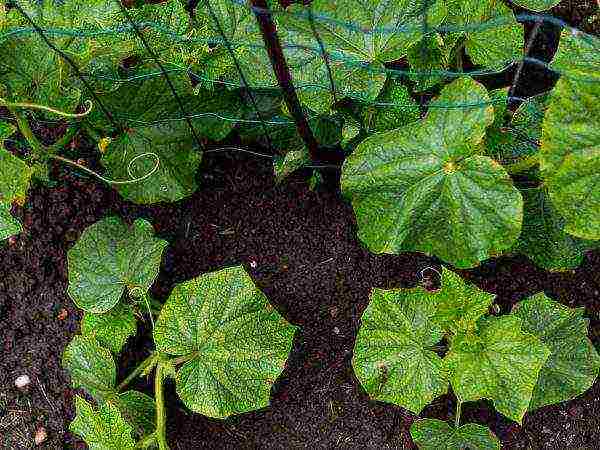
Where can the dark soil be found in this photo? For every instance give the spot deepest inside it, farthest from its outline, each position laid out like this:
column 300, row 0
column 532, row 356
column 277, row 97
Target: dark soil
column 311, row 266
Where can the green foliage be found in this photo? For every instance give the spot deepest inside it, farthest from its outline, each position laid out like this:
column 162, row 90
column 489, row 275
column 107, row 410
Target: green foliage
column 233, row 342
column 578, row 56
column 394, row 108
column 91, row 367
column 111, row 258
column 432, row 434
column 499, row 362
column 425, row 187
column 102, row 429
column 111, row 329
column 570, row 155
column 574, row 363
column 536, row 5
column 537, row 355
column 393, row 355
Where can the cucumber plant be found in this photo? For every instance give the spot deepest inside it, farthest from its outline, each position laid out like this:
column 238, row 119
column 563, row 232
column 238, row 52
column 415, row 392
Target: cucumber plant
column 413, row 344
column 216, row 336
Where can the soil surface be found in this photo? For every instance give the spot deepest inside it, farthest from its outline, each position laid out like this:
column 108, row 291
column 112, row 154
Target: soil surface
column 300, row 247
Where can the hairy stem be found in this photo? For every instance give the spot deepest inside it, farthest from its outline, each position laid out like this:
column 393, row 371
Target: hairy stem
column 161, row 413
column 48, row 109
column 146, row 441
column 144, row 365
column 23, row 124
column 458, row 411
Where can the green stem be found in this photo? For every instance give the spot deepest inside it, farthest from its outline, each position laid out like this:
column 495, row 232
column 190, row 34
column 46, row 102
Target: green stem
column 146, row 441
column 185, row 358
column 144, row 365
column 459, row 58
column 161, row 412
column 64, row 140
column 458, row 411
column 25, row 130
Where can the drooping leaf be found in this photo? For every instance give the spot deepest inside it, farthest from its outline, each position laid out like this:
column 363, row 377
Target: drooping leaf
column 574, row 363
column 139, row 410
column 578, row 56
column 111, row 258
column 235, row 343
column 9, row 226
column 510, row 141
column 292, row 161
column 111, row 329
column 536, row 5
column 91, row 367
column 393, row 108
column 433, row 434
column 393, row 355
column 424, row 187
column 570, row 155
column 499, row 362
column 101, row 429
column 543, row 238
column 428, row 60
column 459, row 304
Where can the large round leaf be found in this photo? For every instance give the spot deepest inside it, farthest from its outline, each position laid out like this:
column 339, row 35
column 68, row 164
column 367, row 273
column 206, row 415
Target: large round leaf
column 570, row 155
column 108, row 259
column 135, row 154
column 578, row 56
column 433, row 434
column 574, row 363
column 423, row 187
column 234, row 343
column 393, row 355
column 499, row 362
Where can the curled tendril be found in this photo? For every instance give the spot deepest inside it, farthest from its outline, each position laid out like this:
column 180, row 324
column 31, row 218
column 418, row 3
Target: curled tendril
column 132, row 180
column 88, row 108
column 425, row 269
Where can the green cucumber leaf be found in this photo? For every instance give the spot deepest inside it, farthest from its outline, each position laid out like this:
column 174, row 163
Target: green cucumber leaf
column 537, row 5
column 498, row 42
column 459, row 304
column 135, row 155
column 9, row 226
column 574, row 363
column 101, row 429
column 499, row 362
column 427, row 60
column 433, row 434
column 543, row 238
column 139, row 410
column 235, row 343
column 356, row 53
column 150, row 101
column 570, row 155
column 578, row 56
column 110, row 258
column 393, row 355
column 15, row 177
column 91, row 367
column 510, row 142
column 111, row 329
column 292, row 161
column 423, row 187
column 393, row 108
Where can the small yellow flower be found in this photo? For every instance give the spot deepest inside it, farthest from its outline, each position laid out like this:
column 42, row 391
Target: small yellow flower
column 103, row 144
